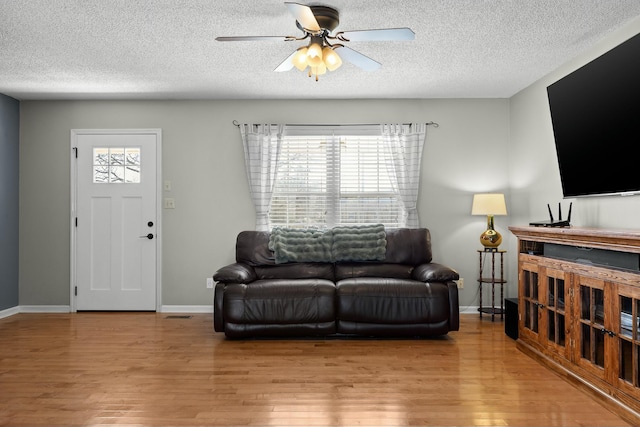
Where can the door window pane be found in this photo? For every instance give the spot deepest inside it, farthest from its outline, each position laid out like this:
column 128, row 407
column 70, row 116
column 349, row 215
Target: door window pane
column 132, row 165
column 116, row 165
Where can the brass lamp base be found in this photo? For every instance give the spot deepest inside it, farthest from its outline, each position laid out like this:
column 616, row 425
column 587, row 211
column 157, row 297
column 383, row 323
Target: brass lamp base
column 490, row 238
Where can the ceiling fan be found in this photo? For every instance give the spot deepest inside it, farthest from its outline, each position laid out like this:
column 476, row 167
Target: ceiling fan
column 325, row 51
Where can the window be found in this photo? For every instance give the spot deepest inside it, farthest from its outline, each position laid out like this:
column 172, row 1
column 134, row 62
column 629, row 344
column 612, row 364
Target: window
column 116, row 165
column 326, row 181
column 326, row 175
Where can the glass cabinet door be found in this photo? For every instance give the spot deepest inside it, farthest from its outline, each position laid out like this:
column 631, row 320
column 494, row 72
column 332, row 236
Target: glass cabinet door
column 556, row 307
column 531, row 297
column 628, row 342
column 591, row 329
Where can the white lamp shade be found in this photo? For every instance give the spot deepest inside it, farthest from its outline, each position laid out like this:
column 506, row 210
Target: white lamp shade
column 489, row 204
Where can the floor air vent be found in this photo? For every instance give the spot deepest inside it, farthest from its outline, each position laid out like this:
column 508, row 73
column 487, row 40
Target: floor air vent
column 178, row 317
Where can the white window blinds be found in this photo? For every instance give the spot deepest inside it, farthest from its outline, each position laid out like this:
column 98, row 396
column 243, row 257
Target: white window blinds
column 334, row 176
column 323, row 176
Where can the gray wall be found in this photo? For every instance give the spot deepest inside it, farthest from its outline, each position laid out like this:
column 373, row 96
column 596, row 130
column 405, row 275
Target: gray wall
column 9, row 186
column 203, row 158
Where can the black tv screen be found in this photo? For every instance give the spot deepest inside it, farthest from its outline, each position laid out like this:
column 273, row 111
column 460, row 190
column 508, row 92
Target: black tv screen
column 595, row 112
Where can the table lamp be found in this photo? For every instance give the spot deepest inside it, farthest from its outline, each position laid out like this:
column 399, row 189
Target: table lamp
column 489, row 204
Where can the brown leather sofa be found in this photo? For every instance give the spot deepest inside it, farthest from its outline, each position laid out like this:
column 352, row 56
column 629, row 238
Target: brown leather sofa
column 404, row 295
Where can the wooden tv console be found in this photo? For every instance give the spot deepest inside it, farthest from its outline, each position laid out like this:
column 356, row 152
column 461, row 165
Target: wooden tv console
column 582, row 318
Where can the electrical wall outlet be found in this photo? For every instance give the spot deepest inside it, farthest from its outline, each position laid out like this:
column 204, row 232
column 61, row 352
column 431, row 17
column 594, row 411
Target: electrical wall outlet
column 460, row 283
column 209, row 283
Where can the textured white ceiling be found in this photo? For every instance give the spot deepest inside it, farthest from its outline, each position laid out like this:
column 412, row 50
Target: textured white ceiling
column 165, row 49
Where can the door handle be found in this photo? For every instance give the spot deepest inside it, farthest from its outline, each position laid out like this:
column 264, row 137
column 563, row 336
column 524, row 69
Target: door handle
column 148, row 236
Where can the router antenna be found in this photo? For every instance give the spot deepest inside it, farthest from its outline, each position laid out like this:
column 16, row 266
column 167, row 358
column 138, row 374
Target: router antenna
column 559, row 211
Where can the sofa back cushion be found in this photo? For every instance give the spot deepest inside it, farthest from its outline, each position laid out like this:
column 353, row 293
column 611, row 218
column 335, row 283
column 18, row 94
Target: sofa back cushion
column 252, row 247
column 410, row 246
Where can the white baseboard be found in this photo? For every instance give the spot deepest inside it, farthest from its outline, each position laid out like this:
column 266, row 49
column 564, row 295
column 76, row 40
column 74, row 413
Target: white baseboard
column 45, row 309
column 469, row 309
column 67, row 309
column 9, row 312
column 187, row 309
column 34, row 309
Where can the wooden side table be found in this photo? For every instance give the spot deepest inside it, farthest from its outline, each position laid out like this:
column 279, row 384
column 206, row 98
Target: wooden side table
column 483, row 277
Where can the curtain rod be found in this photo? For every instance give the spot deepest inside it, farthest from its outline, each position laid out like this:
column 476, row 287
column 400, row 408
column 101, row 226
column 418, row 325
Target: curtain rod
column 434, row 124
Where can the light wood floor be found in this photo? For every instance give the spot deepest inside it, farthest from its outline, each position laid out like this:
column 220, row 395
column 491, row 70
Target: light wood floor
column 150, row 370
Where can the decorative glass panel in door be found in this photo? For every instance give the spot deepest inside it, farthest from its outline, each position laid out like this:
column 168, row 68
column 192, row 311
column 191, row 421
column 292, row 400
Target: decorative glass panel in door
column 556, row 314
column 592, row 326
column 628, row 338
column 529, row 281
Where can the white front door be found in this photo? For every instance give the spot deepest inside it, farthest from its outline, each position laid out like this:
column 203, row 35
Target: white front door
column 116, row 220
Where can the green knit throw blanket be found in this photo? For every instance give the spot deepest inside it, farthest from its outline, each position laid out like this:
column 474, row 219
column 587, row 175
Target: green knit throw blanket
column 345, row 243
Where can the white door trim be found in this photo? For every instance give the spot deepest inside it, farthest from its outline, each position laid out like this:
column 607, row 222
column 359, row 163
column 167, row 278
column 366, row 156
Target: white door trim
column 74, row 203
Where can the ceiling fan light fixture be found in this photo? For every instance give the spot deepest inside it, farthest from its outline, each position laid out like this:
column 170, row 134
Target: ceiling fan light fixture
column 318, row 70
column 314, row 61
column 331, row 59
column 314, row 52
column 300, row 59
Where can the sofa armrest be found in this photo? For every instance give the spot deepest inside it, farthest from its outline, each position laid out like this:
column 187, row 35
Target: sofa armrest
column 434, row 272
column 235, row 273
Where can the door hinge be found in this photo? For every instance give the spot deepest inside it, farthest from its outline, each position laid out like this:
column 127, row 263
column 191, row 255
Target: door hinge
column 75, row 291
column 75, row 150
column 76, row 221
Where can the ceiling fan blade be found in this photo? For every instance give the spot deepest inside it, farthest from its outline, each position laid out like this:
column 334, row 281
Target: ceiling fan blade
column 304, row 15
column 357, row 59
column 381, row 35
column 253, row 38
column 287, row 64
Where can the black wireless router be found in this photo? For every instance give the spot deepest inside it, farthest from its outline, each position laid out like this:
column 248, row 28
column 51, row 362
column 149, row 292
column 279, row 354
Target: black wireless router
column 552, row 223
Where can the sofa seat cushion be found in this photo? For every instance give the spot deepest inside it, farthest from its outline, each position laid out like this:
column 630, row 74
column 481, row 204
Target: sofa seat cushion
column 372, row 300
column 283, row 302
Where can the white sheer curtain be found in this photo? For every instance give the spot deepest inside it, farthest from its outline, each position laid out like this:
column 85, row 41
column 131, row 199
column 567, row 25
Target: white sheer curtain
column 261, row 151
column 405, row 144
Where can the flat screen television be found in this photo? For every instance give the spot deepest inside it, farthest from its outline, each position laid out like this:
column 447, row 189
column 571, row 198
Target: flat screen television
column 595, row 113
